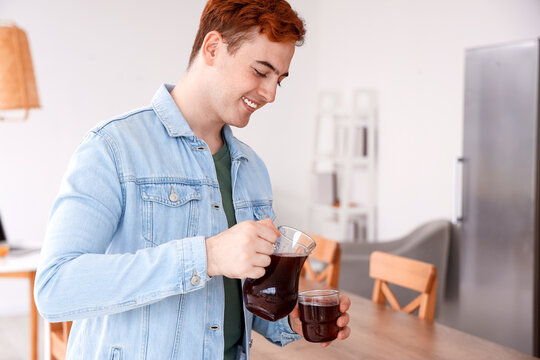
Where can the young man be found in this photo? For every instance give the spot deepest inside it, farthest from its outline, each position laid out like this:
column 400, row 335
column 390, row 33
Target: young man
column 162, row 211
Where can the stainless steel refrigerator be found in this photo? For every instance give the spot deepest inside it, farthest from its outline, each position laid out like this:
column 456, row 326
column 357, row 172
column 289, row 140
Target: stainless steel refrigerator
column 493, row 267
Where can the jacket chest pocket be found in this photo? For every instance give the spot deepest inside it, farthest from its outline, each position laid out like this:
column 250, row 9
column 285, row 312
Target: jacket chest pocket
column 170, row 212
column 258, row 210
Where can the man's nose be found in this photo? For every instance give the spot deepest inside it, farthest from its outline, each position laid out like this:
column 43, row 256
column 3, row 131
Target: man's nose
column 268, row 91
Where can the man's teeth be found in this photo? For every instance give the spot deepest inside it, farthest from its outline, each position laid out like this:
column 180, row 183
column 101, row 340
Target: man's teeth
column 249, row 103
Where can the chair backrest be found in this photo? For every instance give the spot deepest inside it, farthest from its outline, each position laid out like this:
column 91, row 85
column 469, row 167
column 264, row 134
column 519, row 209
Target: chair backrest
column 59, row 334
column 327, row 252
column 412, row 274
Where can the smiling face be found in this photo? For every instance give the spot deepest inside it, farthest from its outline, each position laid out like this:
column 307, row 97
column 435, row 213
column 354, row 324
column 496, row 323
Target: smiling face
column 246, row 80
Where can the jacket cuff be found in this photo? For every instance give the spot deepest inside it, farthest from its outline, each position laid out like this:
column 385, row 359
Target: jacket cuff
column 192, row 263
column 287, row 334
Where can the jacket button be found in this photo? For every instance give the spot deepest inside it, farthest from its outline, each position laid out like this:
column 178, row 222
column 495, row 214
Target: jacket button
column 250, row 342
column 195, row 279
column 172, row 196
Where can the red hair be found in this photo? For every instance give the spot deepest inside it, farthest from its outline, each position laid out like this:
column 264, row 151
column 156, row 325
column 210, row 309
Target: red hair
column 235, row 19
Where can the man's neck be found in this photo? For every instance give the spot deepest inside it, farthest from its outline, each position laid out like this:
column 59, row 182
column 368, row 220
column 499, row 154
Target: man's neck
column 193, row 103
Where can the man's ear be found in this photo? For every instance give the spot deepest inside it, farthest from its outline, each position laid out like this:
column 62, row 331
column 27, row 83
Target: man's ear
column 212, row 44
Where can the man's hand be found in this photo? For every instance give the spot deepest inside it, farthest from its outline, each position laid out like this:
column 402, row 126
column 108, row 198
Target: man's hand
column 243, row 251
column 342, row 321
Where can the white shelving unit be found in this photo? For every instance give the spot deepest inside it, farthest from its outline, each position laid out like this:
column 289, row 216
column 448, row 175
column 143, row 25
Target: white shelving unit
column 343, row 205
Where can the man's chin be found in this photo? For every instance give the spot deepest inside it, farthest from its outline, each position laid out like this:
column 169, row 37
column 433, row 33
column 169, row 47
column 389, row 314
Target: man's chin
column 240, row 123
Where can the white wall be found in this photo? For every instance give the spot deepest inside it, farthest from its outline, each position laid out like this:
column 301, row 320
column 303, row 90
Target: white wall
column 97, row 59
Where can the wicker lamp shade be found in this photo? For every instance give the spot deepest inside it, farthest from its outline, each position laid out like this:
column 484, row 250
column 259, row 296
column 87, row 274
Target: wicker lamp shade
column 17, row 82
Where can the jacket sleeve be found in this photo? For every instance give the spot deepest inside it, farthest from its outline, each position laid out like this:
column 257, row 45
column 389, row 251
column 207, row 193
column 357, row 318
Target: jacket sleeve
column 277, row 332
column 76, row 277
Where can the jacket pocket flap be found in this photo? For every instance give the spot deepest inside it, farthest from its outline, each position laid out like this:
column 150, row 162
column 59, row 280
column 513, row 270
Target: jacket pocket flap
column 264, row 212
column 170, row 195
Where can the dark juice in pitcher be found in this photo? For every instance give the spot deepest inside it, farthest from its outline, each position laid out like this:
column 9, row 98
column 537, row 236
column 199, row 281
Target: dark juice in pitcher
column 274, row 295
column 319, row 321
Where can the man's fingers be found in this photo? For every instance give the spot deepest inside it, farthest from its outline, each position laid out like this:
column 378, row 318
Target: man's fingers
column 295, row 313
column 344, row 303
column 243, row 250
column 269, row 225
column 343, row 320
column 255, row 272
column 267, row 235
column 344, row 333
column 264, row 247
column 261, row 260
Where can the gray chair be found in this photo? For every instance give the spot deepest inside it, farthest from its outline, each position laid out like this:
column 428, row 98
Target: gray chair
column 429, row 242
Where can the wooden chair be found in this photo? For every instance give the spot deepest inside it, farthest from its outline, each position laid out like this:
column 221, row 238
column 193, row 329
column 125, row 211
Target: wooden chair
column 412, row 274
column 328, row 252
column 59, row 339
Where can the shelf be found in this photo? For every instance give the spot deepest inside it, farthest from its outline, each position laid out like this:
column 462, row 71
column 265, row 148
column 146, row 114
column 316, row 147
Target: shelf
column 356, row 209
column 345, row 158
column 362, row 120
column 341, row 160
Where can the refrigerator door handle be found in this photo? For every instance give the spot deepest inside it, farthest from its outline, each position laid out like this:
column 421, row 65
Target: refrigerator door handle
column 458, row 190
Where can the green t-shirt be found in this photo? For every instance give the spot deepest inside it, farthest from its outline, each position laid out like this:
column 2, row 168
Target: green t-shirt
column 233, row 326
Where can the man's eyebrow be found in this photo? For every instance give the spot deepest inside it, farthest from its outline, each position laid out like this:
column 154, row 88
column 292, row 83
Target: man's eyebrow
column 271, row 67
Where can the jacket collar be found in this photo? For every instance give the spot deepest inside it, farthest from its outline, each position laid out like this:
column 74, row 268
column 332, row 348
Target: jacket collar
column 237, row 149
column 169, row 114
column 173, row 120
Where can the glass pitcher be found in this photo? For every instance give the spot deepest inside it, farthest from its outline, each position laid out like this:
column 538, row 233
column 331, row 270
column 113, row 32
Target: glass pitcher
column 274, row 295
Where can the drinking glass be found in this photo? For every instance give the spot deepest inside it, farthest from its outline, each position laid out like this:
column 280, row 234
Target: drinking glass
column 319, row 311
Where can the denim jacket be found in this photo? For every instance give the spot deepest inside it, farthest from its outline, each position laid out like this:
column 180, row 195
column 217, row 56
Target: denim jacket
column 124, row 254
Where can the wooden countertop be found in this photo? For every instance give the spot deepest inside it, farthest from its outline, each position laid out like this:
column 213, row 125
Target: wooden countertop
column 378, row 332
